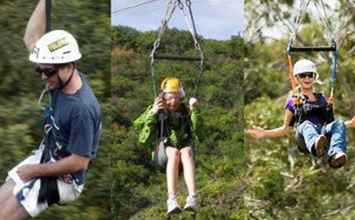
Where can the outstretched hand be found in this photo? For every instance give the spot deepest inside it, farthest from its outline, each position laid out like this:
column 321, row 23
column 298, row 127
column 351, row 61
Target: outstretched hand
column 193, row 103
column 256, row 132
column 351, row 123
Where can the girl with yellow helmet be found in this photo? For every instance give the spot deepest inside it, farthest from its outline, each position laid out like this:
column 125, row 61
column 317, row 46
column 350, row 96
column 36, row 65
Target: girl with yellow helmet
column 176, row 135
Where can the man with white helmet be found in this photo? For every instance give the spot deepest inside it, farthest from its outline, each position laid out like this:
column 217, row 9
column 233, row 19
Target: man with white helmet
column 56, row 171
column 180, row 123
column 312, row 115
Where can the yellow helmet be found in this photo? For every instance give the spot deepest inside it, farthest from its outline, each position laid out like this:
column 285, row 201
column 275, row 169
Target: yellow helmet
column 172, row 84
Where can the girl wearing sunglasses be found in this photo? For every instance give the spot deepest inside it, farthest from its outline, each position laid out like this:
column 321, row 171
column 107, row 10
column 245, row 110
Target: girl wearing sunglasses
column 312, row 116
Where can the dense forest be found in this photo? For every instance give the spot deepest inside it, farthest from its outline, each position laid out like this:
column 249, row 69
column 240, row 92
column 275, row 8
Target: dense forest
column 139, row 190
column 282, row 182
column 20, row 86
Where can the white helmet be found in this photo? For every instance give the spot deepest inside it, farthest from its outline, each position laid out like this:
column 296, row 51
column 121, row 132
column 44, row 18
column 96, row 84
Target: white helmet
column 304, row 66
column 55, row 47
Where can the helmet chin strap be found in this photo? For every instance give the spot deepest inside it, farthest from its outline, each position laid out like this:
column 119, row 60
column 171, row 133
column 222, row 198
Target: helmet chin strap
column 62, row 84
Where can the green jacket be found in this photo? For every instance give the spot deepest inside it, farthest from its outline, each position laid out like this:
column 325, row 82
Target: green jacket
column 180, row 129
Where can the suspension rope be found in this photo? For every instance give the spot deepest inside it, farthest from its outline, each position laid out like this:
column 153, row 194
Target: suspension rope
column 171, row 5
column 324, row 18
column 185, row 7
column 302, row 8
column 326, row 22
column 48, row 8
column 196, row 43
column 48, row 15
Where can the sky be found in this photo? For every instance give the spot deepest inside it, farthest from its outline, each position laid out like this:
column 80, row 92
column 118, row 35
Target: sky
column 215, row 19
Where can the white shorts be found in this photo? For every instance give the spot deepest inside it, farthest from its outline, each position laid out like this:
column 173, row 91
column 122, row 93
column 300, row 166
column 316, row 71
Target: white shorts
column 27, row 192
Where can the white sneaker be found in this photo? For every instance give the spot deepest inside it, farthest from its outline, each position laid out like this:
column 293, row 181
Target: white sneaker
column 173, row 206
column 191, row 203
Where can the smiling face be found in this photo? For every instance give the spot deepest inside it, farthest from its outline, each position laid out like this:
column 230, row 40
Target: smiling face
column 306, row 80
column 172, row 101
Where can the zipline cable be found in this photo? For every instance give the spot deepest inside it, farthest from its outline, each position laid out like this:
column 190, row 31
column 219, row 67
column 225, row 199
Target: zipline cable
column 134, row 6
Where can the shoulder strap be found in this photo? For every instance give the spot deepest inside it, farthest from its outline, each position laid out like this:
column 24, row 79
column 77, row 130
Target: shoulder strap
column 319, row 95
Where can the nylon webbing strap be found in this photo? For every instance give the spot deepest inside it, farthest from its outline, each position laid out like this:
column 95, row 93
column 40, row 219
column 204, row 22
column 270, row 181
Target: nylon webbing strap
column 334, row 70
column 48, row 15
column 290, row 74
column 161, row 121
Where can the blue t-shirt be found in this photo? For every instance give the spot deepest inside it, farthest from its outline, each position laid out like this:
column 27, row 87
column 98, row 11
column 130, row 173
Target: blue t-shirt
column 77, row 119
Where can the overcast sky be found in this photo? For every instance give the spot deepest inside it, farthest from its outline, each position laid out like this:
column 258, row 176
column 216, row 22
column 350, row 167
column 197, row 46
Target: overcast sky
column 215, row 19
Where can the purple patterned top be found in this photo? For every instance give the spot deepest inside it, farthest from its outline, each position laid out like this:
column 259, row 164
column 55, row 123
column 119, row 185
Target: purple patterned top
column 318, row 120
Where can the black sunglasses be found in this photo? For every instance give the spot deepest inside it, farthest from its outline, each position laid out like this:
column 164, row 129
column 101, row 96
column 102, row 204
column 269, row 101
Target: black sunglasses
column 48, row 71
column 304, row 75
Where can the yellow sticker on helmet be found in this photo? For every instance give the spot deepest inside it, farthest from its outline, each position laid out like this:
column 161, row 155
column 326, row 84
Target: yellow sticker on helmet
column 57, row 44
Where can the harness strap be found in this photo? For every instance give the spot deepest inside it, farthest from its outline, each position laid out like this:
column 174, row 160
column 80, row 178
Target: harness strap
column 63, row 85
column 301, row 112
column 48, row 191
